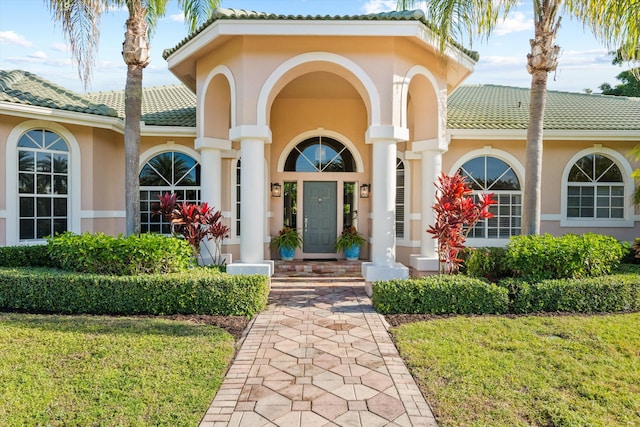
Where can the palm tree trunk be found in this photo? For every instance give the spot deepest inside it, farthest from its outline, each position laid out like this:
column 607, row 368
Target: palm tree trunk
column 533, row 163
column 133, row 113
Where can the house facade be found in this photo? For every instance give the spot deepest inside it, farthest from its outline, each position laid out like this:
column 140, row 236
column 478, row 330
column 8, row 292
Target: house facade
column 315, row 123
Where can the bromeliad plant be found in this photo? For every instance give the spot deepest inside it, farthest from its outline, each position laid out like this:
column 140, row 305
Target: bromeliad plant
column 456, row 214
column 195, row 223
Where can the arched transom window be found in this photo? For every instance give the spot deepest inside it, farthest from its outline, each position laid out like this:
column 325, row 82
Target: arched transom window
column 168, row 172
column 43, row 176
column 320, row 154
column 491, row 175
column 595, row 188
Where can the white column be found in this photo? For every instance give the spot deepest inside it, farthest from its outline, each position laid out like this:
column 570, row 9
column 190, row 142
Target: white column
column 383, row 265
column 252, row 195
column 210, row 182
column 431, row 151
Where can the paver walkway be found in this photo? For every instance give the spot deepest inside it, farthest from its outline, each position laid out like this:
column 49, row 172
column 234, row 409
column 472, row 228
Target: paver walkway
column 319, row 355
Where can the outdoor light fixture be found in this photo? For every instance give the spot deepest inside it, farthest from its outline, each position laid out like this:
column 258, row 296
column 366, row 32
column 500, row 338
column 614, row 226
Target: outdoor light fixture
column 364, row 191
column 276, row 189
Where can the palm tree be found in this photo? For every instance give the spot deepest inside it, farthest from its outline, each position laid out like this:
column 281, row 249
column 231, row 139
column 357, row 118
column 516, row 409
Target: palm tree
column 80, row 21
column 614, row 22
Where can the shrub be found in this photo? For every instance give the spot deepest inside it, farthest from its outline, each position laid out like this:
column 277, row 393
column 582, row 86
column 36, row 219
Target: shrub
column 487, row 262
column 101, row 254
column 198, row 291
column 619, row 292
column 570, row 256
column 442, row 294
column 25, row 256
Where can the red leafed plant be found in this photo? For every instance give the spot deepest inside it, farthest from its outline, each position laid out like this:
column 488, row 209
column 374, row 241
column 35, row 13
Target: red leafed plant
column 194, row 222
column 456, row 214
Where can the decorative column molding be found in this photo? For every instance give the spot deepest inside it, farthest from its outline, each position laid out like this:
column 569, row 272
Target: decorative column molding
column 252, row 194
column 383, row 265
column 431, row 151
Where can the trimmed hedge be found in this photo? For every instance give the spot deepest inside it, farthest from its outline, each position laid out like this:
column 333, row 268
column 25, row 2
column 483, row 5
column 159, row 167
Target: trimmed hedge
column 440, row 294
column 542, row 257
column 98, row 253
column 605, row 294
column 198, row 291
column 487, row 262
column 25, row 256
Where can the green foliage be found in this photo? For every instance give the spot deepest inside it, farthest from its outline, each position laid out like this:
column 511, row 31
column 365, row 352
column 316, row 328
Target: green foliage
column 442, row 294
column 197, row 291
column 348, row 238
column 25, row 256
column 287, row 238
column 123, row 256
column 605, row 294
column 488, row 263
column 539, row 257
column 630, row 85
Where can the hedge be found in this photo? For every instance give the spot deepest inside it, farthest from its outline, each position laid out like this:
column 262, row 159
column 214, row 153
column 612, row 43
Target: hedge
column 605, row 294
column 198, row 291
column 441, row 294
column 25, row 256
column 98, row 253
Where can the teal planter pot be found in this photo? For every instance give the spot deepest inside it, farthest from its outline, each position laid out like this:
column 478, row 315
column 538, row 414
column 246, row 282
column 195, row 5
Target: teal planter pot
column 286, row 254
column 352, row 253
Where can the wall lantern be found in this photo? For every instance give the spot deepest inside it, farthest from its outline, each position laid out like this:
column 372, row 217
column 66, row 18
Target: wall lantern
column 276, row 189
column 364, row 191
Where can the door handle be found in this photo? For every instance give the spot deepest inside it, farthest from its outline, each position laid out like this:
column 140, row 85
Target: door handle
column 306, row 220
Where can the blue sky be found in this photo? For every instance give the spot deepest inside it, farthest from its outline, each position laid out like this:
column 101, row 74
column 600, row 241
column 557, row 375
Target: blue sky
column 30, row 41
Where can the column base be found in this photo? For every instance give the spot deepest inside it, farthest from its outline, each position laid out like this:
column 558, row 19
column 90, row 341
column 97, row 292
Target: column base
column 373, row 273
column 265, row 268
column 424, row 266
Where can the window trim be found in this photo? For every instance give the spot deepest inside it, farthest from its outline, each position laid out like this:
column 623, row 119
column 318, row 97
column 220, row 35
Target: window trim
column 405, row 241
column 286, row 151
column 625, row 168
column 11, row 167
column 509, row 159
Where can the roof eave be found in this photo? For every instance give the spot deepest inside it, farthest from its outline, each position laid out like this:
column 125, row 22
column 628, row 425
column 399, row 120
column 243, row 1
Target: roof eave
column 548, row 135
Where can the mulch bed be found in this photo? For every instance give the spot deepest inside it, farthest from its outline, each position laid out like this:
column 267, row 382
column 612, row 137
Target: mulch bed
column 235, row 325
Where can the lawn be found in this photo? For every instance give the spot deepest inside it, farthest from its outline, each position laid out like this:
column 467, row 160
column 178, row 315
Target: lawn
column 108, row 371
column 534, row 370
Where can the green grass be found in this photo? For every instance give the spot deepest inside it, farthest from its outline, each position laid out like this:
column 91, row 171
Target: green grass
column 541, row 371
column 108, row 371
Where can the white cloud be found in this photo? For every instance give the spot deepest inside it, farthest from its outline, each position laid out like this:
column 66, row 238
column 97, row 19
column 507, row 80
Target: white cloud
column 60, row 47
column 38, row 55
column 11, row 37
column 377, row 6
column 515, row 22
column 178, row 17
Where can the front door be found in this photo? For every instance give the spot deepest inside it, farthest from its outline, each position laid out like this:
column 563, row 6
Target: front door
column 320, row 217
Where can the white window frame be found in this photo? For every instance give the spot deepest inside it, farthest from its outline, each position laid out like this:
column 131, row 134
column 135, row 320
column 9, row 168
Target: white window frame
column 517, row 168
column 11, row 167
column 405, row 241
column 625, row 168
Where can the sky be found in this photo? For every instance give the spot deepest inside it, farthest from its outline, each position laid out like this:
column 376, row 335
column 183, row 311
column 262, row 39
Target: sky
column 31, row 41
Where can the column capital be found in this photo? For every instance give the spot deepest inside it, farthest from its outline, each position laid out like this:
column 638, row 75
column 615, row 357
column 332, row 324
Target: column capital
column 435, row 144
column 241, row 132
column 205, row 142
column 385, row 133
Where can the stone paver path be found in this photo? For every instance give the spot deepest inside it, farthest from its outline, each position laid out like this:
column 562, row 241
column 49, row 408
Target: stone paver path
column 319, row 355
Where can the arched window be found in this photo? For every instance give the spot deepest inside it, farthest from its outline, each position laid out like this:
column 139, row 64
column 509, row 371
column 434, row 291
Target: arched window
column 595, row 189
column 168, row 172
column 491, row 175
column 43, row 176
column 320, row 154
column 400, row 186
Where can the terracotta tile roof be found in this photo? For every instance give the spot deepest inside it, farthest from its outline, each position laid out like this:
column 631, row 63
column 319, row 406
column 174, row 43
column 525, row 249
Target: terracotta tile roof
column 503, row 107
column 240, row 14
column 161, row 105
column 22, row 87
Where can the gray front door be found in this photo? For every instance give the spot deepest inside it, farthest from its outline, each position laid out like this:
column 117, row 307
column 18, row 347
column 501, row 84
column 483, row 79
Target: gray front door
column 320, row 217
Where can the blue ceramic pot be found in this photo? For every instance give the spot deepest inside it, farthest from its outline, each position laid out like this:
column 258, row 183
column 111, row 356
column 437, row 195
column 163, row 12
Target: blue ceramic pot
column 352, row 253
column 286, row 254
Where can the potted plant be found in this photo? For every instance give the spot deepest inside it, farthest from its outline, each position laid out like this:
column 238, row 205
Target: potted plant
column 287, row 241
column 350, row 242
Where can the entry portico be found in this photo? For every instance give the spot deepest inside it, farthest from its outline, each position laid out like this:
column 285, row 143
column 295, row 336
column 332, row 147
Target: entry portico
column 321, row 106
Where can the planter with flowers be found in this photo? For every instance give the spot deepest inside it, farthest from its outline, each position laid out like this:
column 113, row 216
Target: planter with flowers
column 287, row 241
column 350, row 242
